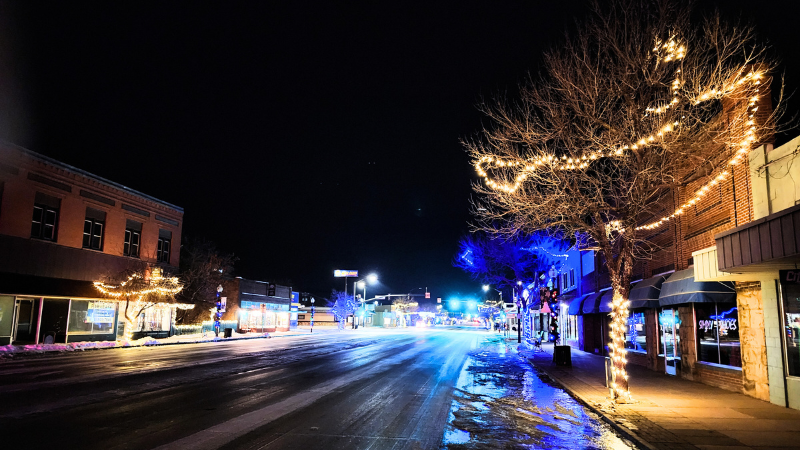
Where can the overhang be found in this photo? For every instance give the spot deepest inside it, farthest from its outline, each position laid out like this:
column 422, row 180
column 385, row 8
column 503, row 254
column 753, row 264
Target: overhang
column 768, row 244
column 681, row 288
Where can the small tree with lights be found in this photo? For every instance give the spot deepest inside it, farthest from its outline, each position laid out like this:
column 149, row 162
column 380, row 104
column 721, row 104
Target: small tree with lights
column 344, row 306
column 139, row 290
column 637, row 105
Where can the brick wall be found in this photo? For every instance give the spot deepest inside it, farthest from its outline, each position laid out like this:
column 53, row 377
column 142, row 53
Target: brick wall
column 721, row 377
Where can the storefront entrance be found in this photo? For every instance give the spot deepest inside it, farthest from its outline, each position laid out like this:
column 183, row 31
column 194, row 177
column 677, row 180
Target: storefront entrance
column 25, row 327
column 669, row 327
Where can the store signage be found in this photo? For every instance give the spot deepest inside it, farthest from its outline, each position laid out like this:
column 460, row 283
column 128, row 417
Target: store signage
column 345, row 273
column 790, row 276
column 100, row 312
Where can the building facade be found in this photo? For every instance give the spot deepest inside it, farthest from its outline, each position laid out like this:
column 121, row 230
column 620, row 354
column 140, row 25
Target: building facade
column 258, row 306
column 61, row 228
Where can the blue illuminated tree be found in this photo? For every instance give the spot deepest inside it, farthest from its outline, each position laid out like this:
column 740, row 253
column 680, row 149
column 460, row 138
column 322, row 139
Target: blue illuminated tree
column 503, row 262
column 344, row 305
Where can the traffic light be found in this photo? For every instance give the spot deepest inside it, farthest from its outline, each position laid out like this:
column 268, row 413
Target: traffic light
column 554, row 293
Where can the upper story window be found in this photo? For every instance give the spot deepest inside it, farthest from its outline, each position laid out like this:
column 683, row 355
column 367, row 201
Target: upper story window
column 44, row 224
column 572, row 277
column 93, row 227
column 133, row 235
column 164, row 246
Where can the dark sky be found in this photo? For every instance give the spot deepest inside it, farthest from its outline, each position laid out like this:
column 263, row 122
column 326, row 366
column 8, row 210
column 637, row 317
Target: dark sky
column 303, row 137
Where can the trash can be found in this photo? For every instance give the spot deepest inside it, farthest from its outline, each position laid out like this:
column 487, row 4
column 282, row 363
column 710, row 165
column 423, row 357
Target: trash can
column 562, row 355
column 228, row 332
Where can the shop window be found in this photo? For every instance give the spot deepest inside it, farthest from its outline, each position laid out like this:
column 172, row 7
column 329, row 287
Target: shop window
column 87, row 317
column 164, row 244
column 45, row 217
column 791, row 311
column 155, row 318
column 635, row 336
column 718, row 333
column 93, row 229
column 133, row 233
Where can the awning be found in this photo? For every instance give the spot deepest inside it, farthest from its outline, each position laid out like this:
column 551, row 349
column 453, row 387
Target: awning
column 605, row 301
column 681, row 288
column 575, row 305
column 644, row 294
column 591, row 305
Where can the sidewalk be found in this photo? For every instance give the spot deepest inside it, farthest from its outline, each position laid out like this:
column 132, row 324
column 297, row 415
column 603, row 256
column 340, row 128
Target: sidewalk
column 673, row 413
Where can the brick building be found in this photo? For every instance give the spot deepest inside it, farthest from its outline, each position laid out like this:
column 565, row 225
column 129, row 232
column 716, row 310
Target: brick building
column 61, row 228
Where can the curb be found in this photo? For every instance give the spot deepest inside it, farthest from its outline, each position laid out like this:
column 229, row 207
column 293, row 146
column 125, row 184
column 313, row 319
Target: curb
column 43, row 352
column 624, row 431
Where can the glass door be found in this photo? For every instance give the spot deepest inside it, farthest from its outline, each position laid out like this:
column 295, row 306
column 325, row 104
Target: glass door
column 669, row 324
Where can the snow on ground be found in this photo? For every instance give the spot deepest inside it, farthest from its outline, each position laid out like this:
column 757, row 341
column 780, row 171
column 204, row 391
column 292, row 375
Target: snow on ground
column 500, row 401
column 9, row 350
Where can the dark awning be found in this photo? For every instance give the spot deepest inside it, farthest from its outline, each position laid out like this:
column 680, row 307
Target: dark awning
column 605, row 301
column 591, row 305
column 16, row 284
column 680, row 288
column 645, row 293
column 575, row 305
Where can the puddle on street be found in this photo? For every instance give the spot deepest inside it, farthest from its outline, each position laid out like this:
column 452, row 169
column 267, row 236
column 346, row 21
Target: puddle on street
column 501, row 403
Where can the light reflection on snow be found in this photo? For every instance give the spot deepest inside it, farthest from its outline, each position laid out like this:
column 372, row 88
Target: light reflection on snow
column 501, row 402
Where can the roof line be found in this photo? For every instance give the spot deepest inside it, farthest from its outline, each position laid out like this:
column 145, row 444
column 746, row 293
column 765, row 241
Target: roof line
column 56, row 162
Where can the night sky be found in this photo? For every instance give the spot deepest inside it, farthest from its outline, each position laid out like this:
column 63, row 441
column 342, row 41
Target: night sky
column 302, row 137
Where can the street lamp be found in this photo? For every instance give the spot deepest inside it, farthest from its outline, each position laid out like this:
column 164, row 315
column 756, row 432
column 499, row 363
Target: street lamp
column 371, row 279
column 218, row 315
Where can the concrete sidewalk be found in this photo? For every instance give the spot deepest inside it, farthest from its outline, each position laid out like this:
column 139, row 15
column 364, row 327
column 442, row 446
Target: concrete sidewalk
column 673, row 413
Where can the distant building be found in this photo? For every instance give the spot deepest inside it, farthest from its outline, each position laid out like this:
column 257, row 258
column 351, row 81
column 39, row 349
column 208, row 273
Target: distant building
column 258, row 306
column 61, row 228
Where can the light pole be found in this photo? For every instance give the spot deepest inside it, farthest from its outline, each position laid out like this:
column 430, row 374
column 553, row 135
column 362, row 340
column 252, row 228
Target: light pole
column 312, row 314
column 362, row 283
column 218, row 315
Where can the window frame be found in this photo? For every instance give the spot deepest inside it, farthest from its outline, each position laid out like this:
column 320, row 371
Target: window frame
column 93, row 234
column 163, row 254
column 128, row 245
column 43, row 223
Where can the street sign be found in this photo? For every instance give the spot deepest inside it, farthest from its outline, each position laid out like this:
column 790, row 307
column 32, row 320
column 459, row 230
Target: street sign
column 345, row 273
column 380, row 297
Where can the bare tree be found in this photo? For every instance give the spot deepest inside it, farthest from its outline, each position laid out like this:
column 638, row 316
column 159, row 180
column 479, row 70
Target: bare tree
column 203, row 267
column 639, row 102
column 140, row 289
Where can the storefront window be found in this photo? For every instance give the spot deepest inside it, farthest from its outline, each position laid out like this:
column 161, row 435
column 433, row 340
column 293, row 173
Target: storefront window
column 718, row 333
column 155, row 318
column 6, row 315
column 636, row 338
column 87, row 317
column 791, row 312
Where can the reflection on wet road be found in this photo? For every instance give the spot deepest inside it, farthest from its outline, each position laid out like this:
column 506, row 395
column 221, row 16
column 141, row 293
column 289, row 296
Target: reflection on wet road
column 501, row 402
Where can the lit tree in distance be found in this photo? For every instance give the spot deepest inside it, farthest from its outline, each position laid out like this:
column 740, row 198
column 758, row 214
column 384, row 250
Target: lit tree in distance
column 142, row 290
column 344, row 305
column 637, row 105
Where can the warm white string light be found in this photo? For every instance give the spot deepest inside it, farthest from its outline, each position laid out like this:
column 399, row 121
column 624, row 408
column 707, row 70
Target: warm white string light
column 673, row 52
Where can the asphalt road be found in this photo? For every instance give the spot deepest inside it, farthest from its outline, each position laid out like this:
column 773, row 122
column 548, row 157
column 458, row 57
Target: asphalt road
column 380, row 389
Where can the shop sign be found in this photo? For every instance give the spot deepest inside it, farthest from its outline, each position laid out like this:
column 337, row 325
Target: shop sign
column 790, row 276
column 100, row 312
column 345, row 273
column 721, row 321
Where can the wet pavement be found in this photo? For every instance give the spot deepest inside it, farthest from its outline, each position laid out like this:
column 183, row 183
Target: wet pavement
column 502, row 402
column 361, row 389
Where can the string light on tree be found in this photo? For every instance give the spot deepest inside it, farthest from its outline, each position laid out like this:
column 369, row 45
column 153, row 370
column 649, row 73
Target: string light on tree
column 672, row 52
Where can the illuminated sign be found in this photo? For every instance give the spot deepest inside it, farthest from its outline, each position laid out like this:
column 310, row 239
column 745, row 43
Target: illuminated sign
column 100, row 312
column 345, row 273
